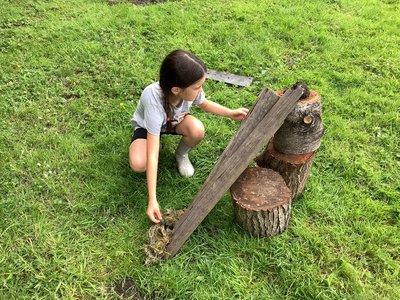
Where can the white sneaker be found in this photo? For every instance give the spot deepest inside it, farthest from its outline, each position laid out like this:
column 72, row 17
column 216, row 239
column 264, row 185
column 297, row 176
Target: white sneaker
column 185, row 167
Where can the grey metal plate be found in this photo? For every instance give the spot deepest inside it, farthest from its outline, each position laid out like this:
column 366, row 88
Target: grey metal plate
column 229, row 78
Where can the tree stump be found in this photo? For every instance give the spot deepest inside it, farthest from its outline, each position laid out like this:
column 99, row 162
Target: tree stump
column 294, row 168
column 262, row 202
column 303, row 128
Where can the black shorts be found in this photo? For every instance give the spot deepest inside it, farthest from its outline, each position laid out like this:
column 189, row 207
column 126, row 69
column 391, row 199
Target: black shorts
column 141, row 133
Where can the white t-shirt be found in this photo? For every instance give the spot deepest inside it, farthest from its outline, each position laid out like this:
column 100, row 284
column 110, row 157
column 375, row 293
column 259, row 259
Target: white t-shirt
column 150, row 113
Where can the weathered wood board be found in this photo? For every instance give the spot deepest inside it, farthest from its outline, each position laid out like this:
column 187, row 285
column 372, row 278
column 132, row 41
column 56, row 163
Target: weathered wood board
column 264, row 119
column 229, row 78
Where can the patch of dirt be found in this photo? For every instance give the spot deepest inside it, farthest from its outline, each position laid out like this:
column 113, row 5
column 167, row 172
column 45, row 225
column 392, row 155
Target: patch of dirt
column 137, row 2
column 126, row 289
column 159, row 236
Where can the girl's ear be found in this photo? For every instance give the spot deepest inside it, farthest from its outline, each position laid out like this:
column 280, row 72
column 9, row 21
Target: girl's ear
column 175, row 90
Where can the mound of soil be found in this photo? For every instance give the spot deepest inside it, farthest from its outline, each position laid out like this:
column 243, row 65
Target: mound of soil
column 127, row 289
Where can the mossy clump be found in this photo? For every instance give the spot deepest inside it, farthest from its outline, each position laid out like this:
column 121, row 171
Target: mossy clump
column 159, row 236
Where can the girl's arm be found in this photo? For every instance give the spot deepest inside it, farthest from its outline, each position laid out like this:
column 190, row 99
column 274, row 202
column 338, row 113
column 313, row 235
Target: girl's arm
column 215, row 108
column 153, row 146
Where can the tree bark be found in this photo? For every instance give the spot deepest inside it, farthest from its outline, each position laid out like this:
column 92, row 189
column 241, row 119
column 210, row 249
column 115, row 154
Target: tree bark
column 303, row 128
column 262, row 202
column 294, row 168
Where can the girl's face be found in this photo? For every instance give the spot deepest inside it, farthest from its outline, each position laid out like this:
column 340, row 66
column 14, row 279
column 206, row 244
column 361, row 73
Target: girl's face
column 190, row 93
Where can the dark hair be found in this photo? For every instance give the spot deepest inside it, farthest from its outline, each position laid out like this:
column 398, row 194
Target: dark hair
column 181, row 69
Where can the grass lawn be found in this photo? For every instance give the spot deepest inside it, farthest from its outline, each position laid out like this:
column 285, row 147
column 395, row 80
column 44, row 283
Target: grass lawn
column 72, row 214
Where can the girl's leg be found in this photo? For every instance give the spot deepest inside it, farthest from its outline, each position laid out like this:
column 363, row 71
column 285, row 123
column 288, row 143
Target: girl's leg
column 192, row 131
column 138, row 155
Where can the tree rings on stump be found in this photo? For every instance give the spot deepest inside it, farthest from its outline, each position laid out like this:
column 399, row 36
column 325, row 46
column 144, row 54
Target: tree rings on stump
column 303, row 128
column 262, row 202
column 294, row 168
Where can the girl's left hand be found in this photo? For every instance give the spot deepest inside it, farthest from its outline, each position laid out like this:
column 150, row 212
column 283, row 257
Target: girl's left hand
column 238, row 114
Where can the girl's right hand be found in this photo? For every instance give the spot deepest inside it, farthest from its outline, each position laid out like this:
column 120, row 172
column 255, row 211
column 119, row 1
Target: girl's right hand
column 153, row 212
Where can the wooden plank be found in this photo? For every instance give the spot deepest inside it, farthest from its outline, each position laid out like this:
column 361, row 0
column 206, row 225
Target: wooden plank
column 267, row 115
column 263, row 104
column 229, row 78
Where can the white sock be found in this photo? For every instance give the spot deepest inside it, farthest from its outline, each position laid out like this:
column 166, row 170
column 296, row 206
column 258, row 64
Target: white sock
column 185, row 167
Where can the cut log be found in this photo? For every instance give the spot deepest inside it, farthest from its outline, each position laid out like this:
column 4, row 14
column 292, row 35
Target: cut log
column 294, row 168
column 264, row 119
column 262, row 202
column 303, row 128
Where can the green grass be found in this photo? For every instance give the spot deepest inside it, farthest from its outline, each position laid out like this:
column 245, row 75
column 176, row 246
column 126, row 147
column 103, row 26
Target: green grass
column 72, row 214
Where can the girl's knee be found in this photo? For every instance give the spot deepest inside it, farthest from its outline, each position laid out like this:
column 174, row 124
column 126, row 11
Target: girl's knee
column 197, row 131
column 137, row 156
column 137, row 165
